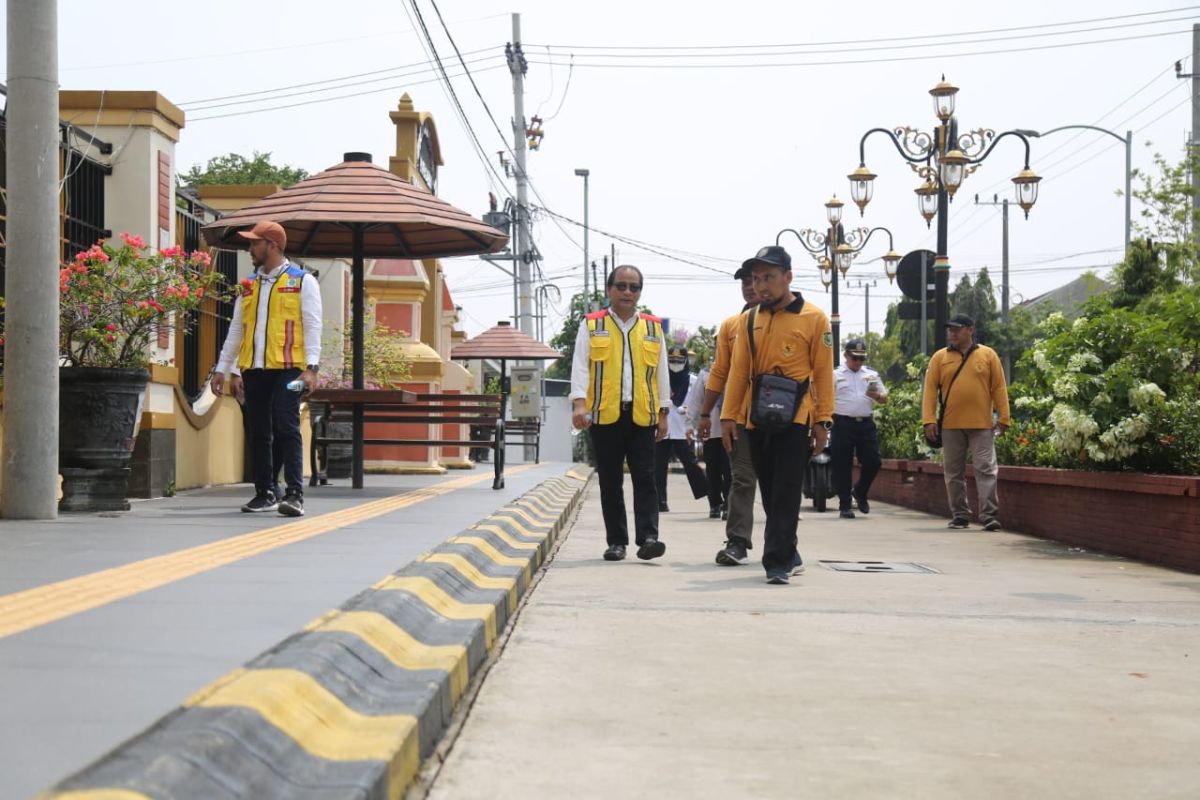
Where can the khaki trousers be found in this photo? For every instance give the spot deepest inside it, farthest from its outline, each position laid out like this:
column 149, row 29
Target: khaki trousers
column 981, row 443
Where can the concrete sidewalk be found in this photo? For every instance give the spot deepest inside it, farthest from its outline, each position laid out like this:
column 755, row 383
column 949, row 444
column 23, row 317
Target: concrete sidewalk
column 107, row 622
column 1021, row 668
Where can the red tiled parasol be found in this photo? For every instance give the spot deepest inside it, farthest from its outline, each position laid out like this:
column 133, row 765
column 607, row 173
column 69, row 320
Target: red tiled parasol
column 358, row 210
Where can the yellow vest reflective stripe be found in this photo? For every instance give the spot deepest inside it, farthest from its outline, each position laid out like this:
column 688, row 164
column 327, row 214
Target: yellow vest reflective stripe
column 285, row 326
column 608, row 347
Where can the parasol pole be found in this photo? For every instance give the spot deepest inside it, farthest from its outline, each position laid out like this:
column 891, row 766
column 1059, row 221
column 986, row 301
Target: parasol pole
column 356, row 345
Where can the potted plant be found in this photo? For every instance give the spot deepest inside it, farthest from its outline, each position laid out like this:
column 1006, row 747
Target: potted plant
column 113, row 299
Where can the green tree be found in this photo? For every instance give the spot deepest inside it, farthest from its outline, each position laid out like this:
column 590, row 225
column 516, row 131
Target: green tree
column 1168, row 215
column 233, row 168
column 977, row 300
column 1141, row 274
column 703, row 345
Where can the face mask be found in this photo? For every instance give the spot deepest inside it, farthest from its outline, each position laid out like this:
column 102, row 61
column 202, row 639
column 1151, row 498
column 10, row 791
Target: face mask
column 676, row 366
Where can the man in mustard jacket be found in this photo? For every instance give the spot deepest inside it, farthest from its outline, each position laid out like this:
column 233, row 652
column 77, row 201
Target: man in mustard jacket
column 975, row 398
column 739, row 521
column 274, row 338
column 792, row 339
column 619, row 391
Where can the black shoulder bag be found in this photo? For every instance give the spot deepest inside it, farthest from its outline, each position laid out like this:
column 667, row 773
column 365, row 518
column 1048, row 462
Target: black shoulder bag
column 937, row 443
column 775, row 399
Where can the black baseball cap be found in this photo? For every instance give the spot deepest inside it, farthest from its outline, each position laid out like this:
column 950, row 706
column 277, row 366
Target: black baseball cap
column 960, row 321
column 856, row 347
column 772, row 255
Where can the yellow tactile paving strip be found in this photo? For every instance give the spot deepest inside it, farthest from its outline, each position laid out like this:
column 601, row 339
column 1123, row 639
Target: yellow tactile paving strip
column 32, row 608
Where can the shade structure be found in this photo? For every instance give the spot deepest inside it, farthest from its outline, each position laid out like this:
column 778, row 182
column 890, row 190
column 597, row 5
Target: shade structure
column 357, row 210
column 504, row 342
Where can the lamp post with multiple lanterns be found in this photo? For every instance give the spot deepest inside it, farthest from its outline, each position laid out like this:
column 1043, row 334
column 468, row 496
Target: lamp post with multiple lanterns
column 944, row 159
column 834, row 251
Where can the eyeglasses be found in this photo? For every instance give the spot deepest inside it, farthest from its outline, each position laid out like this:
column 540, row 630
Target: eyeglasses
column 627, row 287
column 856, row 358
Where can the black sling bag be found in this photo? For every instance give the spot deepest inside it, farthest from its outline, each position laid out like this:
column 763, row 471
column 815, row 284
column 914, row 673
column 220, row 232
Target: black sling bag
column 775, row 399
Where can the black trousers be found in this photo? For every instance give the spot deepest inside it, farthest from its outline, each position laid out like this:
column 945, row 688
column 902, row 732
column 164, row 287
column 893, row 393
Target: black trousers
column 853, row 439
column 780, row 460
column 614, row 444
column 681, row 449
column 720, row 475
column 273, row 414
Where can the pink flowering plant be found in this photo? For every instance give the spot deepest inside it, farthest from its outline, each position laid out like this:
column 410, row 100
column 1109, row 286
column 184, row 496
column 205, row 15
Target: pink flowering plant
column 114, row 298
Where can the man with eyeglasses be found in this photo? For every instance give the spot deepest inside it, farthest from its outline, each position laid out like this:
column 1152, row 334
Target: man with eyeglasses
column 782, row 338
column 619, row 391
column 857, row 388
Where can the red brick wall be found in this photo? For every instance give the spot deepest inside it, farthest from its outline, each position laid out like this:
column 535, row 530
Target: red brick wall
column 1153, row 518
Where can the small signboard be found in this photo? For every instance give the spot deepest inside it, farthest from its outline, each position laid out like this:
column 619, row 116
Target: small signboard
column 526, row 396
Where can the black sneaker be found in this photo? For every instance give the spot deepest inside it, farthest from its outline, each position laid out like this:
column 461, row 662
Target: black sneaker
column 777, row 577
column 714, row 512
column 797, row 565
column 992, row 525
column 662, row 506
column 860, row 500
column 846, row 513
column 292, row 505
column 959, row 523
column 263, row 501
column 733, row 554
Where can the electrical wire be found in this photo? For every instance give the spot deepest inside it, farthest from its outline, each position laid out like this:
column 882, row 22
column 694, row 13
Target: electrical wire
column 420, row 67
column 886, row 47
column 887, row 60
column 891, row 38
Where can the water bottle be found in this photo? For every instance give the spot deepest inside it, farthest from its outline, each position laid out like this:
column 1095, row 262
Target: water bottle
column 295, row 386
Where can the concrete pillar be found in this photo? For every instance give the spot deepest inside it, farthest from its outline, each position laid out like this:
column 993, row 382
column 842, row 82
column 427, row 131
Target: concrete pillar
column 32, row 257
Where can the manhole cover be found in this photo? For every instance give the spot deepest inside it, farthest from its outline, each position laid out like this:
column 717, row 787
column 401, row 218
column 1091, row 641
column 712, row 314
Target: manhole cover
column 878, row 566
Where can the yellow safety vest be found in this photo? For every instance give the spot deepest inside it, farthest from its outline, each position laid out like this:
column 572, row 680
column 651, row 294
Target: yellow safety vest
column 285, row 326
column 608, row 347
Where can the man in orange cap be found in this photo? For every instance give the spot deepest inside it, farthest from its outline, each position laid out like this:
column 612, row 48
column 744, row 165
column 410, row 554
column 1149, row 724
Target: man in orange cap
column 274, row 338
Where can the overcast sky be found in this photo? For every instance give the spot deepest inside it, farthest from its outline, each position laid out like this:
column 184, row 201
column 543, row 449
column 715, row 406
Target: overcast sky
column 709, row 150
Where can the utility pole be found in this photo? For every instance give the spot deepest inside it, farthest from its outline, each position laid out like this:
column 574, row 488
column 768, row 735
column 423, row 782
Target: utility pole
column 1006, row 358
column 523, row 250
column 32, row 258
column 587, row 298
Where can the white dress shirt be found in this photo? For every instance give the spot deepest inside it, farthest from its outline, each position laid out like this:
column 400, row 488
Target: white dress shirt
column 310, row 314
column 581, row 372
column 850, row 391
column 677, row 416
column 695, row 400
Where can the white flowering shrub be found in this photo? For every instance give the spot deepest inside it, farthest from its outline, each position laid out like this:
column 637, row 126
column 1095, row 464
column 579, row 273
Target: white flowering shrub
column 1118, row 388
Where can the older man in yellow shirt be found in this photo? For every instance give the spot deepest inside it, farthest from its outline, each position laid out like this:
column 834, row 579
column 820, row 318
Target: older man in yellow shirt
column 966, row 380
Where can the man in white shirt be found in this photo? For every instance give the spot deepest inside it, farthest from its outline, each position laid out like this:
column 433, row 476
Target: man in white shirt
column 619, row 392
column 857, row 389
column 280, row 305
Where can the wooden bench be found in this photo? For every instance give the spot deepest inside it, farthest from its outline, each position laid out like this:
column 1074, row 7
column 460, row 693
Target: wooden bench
column 528, row 432
column 404, row 407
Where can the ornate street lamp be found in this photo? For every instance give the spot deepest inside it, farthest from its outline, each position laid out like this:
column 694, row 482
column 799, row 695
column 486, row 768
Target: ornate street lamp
column 944, row 159
column 834, row 250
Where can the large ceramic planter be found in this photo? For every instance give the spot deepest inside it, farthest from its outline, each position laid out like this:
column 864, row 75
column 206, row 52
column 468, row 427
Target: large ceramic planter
column 98, row 414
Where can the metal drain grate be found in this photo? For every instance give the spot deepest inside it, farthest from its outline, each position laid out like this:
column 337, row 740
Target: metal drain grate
column 878, row 566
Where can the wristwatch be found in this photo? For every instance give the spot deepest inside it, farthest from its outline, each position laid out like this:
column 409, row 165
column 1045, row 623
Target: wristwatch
column 313, row 367
column 827, row 425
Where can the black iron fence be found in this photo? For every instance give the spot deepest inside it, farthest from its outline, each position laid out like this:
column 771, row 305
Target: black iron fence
column 204, row 331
